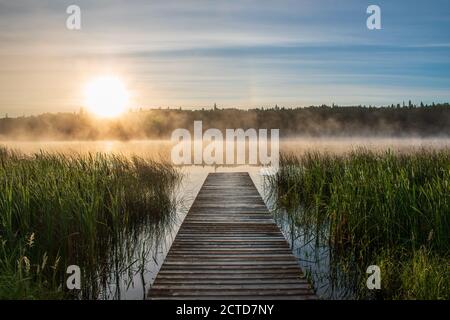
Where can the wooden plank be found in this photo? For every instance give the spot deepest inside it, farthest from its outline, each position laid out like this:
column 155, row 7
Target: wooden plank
column 229, row 247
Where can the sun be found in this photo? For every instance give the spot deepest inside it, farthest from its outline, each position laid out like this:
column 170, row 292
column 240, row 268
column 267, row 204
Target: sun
column 106, row 96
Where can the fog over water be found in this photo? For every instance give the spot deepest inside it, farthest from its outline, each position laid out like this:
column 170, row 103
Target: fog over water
column 136, row 285
column 160, row 149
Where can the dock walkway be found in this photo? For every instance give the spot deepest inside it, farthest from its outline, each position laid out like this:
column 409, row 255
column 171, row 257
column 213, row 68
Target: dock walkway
column 229, row 247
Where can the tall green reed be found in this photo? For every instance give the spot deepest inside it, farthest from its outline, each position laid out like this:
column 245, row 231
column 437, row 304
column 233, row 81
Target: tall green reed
column 79, row 209
column 364, row 204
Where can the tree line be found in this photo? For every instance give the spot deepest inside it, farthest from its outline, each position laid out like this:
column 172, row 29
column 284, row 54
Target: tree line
column 316, row 121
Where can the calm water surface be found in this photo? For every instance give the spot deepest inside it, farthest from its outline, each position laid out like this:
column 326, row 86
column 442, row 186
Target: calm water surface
column 135, row 281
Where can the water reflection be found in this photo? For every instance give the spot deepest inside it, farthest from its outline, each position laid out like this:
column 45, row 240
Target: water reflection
column 329, row 279
column 133, row 258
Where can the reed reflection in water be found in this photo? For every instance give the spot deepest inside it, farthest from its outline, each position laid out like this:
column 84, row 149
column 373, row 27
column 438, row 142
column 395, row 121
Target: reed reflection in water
column 130, row 258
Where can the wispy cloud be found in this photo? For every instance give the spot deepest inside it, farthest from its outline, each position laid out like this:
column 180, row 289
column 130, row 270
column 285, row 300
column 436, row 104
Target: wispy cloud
column 197, row 52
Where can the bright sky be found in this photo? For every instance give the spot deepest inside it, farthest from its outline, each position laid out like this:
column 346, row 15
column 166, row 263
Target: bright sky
column 242, row 53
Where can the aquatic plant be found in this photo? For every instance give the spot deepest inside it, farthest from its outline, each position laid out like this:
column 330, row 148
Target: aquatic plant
column 89, row 210
column 385, row 208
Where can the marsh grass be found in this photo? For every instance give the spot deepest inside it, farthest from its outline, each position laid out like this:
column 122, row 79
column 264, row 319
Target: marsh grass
column 89, row 210
column 384, row 208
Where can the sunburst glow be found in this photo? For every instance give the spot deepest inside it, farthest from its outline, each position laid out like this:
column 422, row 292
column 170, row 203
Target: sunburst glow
column 106, row 96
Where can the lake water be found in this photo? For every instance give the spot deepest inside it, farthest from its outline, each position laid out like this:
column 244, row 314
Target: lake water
column 135, row 283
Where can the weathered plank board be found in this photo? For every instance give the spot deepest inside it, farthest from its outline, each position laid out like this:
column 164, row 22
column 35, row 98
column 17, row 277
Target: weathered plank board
column 229, row 247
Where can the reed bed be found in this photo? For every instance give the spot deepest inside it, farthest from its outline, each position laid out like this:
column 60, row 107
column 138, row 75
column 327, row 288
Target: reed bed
column 375, row 208
column 89, row 210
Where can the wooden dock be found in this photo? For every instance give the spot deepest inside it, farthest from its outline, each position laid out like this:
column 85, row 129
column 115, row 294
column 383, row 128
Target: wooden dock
column 229, row 247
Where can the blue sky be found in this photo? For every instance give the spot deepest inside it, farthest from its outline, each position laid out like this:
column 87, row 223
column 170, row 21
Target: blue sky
column 235, row 53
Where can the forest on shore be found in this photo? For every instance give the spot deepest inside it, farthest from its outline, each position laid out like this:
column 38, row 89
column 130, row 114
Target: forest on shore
column 407, row 120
